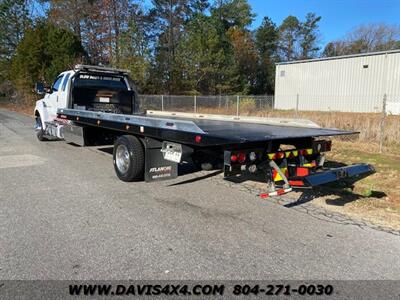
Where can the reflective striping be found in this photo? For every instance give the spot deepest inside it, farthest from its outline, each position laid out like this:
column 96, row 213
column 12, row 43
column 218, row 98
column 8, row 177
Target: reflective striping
column 290, row 154
column 275, row 193
column 277, row 177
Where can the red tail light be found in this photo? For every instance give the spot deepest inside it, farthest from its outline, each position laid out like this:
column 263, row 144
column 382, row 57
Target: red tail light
column 303, row 152
column 198, row 138
column 242, row 157
column 234, row 158
column 280, row 155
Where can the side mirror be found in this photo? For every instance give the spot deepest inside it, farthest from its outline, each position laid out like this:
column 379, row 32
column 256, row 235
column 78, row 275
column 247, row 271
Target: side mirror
column 39, row 88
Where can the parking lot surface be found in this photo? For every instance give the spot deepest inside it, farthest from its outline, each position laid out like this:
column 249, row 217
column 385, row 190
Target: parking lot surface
column 65, row 215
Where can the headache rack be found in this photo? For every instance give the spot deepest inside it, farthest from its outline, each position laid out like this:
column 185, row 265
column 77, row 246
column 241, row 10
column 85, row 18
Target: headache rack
column 101, row 69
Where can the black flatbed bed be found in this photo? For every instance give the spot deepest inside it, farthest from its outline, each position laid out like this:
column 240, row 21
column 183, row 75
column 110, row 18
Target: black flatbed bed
column 249, row 132
column 185, row 130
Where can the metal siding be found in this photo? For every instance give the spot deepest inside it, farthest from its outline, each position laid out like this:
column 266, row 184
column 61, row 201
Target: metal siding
column 339, row 84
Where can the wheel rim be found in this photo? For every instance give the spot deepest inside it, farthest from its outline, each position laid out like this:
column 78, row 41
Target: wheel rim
column 122, row 158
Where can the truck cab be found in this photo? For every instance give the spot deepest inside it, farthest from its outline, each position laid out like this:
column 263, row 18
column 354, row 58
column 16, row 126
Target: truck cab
column 85, row 87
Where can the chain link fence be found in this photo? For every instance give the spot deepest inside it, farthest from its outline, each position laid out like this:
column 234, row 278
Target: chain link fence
column 376, row 117
column 229, row 105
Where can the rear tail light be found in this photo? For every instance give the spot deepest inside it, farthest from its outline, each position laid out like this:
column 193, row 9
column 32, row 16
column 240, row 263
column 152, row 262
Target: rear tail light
column 238, row 157
column 242, row 157
column 198, row 138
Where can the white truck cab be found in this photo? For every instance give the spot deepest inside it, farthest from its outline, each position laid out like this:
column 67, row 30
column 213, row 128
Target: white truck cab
column 85, row 88
column 55, row 98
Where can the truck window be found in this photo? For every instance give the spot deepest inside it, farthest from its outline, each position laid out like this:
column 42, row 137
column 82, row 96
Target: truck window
column 56, row 85
column 65, row 82
column 98, row 81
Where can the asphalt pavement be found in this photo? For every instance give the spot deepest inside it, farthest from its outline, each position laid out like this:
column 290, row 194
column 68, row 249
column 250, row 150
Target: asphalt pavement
column 65, row 215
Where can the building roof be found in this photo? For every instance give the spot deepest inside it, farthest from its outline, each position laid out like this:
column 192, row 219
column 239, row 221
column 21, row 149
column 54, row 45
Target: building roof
column 338, row 57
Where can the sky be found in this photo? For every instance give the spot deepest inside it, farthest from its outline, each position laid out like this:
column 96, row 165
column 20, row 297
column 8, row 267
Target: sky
column 338, row 16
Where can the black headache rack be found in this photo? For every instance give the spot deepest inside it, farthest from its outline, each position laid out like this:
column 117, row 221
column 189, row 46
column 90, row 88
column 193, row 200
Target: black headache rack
column 245, row 146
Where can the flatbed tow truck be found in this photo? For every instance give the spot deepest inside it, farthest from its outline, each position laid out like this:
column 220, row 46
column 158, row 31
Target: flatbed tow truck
column 93, row 105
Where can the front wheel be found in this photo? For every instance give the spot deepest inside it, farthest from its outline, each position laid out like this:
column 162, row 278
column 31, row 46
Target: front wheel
column 39, row 129
column 128, row 158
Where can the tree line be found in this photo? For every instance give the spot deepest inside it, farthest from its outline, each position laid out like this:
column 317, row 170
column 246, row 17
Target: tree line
column 173, row 47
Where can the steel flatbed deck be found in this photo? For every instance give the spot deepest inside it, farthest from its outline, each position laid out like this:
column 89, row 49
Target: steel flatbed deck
column 214, row 130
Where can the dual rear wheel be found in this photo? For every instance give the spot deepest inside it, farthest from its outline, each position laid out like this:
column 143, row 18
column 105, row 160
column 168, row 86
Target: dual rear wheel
column 128, row 158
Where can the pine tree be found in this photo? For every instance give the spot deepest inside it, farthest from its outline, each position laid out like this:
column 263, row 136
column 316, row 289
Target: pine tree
column 309, row 36
column 288, row 38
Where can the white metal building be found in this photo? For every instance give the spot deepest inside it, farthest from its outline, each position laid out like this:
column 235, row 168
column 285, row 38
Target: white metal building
column 351, row 83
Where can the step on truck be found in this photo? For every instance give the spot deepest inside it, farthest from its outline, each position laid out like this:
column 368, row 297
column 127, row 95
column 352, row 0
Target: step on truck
column 92, row 105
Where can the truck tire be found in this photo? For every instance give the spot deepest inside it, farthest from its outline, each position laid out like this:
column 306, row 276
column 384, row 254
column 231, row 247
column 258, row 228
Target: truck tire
column 128, row 158
column 39, row 129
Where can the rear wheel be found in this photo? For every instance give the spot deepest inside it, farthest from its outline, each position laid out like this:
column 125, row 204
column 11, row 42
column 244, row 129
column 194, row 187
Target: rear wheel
column 39, row 129
column 128, row 158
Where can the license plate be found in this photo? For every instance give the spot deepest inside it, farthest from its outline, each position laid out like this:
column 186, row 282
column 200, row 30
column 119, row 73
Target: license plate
column 172, row 152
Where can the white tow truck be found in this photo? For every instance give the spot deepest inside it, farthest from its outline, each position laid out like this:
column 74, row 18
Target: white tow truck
column 93, row 105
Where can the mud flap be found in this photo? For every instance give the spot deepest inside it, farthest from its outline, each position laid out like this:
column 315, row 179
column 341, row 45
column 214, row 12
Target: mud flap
column 156, row 167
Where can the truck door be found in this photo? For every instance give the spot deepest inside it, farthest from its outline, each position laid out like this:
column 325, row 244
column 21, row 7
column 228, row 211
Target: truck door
column 52, row 100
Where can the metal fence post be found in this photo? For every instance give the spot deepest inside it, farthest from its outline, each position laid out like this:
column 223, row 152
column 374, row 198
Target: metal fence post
column 382, row 125
column 272, row 103
column 195, row 103
column 237, row 105
column 162, row 102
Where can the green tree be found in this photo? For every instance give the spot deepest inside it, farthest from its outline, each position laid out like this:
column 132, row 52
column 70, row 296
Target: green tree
column 231, row 18
column 169, row 19
column 199, row 56
column 266, row 41
column 309, row 36
column 134, row 52
column 288, row 37
column 245, row 57
column 14, row 21
column 44, row 52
